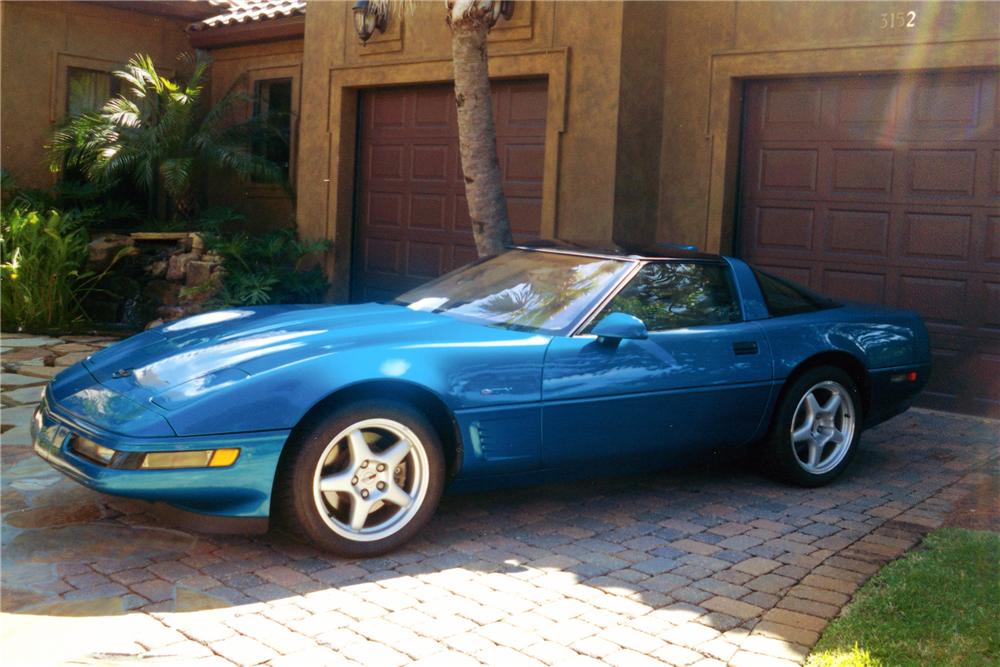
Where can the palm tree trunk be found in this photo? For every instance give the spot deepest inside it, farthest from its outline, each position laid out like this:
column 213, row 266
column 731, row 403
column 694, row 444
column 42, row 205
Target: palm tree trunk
column 477, row 139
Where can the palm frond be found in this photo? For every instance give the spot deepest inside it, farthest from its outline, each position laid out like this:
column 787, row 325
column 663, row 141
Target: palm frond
column 176, row 173
column 141, row 74
column 122, row 111
column 387, row 8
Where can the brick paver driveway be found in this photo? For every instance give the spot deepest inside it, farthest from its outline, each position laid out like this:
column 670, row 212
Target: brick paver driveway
column 707, row 566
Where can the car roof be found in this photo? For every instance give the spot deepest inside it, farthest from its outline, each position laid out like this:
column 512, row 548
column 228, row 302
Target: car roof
column 618, row 251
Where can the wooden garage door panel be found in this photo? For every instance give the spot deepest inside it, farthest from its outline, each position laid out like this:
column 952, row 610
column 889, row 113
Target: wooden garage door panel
column 857, row 230
column 783, row 228
column 991, row 249
column 866, row 103
column 856, row 285
column 783, row 169
column 428, row 211
column 920, row 107
column 861, row 170
column 412, row 220
column 885, row 189
column 937, row 236
column 951, row 104
column 990, row 313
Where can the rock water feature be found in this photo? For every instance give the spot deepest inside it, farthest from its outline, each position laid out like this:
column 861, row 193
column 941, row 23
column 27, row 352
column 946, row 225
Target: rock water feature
column 164, row 276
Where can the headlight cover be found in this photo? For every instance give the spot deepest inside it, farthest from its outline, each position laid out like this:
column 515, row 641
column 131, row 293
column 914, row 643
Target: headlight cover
column 91, row 451
column 168, row 460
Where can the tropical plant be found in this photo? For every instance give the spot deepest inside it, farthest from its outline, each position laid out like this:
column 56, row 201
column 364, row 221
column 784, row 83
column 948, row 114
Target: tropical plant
column 268, row 268
column 92, row 204
column 470, row 22
column 43, row 276
column 214, row 220
column 158, row 134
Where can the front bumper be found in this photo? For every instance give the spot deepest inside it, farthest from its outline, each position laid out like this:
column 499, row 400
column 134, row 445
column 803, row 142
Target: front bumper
column 242, row 489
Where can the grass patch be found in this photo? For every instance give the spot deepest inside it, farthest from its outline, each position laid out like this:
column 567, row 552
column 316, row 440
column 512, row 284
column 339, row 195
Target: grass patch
column 940, row 605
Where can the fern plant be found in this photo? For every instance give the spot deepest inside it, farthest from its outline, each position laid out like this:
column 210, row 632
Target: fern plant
column 268, row 268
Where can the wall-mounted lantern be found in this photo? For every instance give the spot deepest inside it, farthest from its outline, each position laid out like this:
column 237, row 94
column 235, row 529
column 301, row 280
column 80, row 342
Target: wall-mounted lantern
column 367, row 19
column 498, row 9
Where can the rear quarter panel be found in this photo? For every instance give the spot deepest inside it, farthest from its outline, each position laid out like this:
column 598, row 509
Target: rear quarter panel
column 878, row 338
column 886, row 342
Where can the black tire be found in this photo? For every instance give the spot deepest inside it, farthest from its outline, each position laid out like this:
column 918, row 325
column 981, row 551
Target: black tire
column 299, row 500
column 781, row 455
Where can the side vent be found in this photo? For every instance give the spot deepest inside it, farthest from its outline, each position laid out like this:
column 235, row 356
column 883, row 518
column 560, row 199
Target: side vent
column 478, row 439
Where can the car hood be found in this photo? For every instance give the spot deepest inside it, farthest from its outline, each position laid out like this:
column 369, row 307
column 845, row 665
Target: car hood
column 135, row 386
column 239, row 342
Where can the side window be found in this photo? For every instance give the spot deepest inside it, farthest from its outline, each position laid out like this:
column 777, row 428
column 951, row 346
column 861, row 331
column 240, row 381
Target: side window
column 786, row 298
column 673, row 295
column 272, row 103
column 88, row 89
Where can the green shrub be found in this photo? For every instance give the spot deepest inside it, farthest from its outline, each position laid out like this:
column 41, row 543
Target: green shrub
column 268, row 268
column 93, row 205
column 43, row 258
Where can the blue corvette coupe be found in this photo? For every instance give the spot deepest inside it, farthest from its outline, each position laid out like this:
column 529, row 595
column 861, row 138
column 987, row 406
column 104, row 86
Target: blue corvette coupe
column 540, row 363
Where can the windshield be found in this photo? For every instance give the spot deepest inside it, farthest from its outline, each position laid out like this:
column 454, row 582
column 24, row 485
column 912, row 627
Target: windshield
column 521, row 289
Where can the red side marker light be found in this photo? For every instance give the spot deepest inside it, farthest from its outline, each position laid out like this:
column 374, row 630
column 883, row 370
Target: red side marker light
column 911, row 376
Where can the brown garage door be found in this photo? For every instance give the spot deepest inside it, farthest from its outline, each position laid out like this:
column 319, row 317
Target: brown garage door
column 412, row 217
column 886, row 189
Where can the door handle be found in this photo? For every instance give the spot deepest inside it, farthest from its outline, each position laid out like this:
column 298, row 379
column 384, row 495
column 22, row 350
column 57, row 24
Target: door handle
column 745, row 347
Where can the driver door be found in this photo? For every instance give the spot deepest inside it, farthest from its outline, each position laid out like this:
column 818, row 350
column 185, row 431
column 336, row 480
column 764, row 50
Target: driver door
column 701, row 378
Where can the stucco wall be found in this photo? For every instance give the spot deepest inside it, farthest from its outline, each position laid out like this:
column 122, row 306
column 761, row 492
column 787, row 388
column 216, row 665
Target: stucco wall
column 577, row 46
column 640, row 122
column 39, row 40
column 711, row 48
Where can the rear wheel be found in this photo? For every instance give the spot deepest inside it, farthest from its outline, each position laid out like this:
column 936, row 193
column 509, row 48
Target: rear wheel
column 365, row 479
column 816, row 429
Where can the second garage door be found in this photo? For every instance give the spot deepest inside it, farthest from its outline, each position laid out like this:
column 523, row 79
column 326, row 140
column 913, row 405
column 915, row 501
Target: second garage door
column 886, row 189
column 412, row 218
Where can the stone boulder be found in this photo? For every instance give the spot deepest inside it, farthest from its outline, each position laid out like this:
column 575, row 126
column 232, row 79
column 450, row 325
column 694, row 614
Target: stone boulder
column 104, row 248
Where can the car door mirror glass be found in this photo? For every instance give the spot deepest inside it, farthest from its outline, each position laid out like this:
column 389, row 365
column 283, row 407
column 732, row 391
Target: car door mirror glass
column 618, row 326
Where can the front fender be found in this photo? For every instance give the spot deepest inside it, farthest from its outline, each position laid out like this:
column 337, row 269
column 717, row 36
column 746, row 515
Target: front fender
column 490, row 373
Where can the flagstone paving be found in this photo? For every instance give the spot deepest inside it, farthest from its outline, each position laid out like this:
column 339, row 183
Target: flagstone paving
column 705, row 566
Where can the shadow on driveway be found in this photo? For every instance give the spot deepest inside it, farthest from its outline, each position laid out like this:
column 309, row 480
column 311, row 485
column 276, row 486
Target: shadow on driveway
column 708, row 562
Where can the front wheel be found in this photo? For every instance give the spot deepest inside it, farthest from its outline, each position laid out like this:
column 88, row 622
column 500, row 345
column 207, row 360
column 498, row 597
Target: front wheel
column 816, row 429
column 364, row 480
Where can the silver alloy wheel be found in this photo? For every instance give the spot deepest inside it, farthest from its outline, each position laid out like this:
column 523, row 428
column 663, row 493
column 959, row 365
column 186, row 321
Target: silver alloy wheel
column 823, row 427
column 371, row 480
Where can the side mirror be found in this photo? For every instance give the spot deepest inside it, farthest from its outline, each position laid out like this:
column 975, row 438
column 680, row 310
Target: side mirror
column 617, row 326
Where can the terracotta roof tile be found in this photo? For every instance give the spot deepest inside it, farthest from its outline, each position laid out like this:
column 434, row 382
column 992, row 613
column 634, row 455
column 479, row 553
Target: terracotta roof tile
column 244, row 11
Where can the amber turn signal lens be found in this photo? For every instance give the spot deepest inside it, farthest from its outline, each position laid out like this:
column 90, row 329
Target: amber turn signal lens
column 224, row 457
